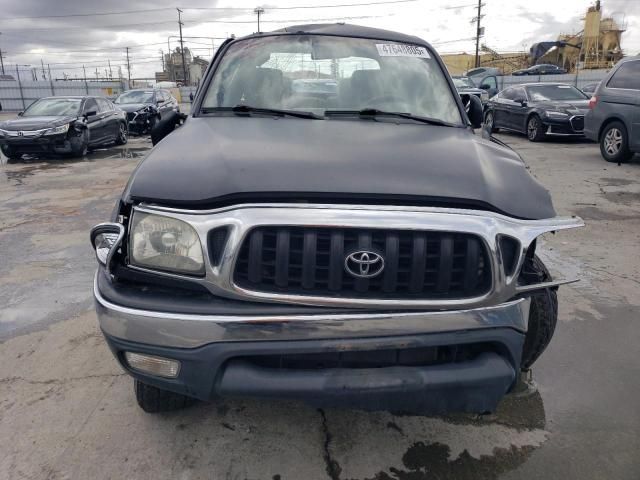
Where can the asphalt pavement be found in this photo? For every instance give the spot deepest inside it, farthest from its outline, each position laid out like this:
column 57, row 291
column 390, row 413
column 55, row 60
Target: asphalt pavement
column 68, row 411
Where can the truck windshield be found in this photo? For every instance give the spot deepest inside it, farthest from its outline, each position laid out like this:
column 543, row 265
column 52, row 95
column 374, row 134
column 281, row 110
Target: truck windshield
column 318, row 74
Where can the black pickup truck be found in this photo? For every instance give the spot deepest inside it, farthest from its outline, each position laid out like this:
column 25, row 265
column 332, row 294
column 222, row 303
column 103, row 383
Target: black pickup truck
column 358, row 246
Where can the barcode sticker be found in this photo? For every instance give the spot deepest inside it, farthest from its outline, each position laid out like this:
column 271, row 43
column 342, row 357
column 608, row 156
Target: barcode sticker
column 401, row 50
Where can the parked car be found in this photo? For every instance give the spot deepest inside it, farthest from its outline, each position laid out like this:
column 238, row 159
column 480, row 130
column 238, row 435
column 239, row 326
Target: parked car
column 63, row 125
column 542, row 69
column 375, row 253
column 465, row 85
column 486, row 78
column 613, row 118
column 590, row 88
column 538, row 110
column 144, row 107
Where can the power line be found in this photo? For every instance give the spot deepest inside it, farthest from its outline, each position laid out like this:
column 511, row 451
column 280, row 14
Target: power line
column 149, row 10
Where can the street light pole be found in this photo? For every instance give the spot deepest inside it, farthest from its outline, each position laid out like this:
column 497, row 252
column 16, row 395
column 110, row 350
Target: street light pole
column 258, row 11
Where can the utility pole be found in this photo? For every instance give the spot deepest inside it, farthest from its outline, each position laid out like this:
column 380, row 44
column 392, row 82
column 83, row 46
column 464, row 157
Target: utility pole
column 128, row 68
column 184, row 66
column 162, row 59
column 110, row 72
column 53, row 92
column 86, row 85
column 1, row 61
column 479, row 33
column 258, row 11
column 44, row 76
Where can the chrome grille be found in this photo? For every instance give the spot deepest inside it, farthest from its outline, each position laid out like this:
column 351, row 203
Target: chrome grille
column 311, row 261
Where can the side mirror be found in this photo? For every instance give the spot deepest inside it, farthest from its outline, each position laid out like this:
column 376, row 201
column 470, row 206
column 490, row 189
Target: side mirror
column 485, row 86
column 20, row 114
column 158, row 102
column 90, row 113
column 475, row 111
column 523, row 102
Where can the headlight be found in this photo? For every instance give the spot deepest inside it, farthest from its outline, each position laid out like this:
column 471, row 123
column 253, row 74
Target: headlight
column 3, row 133
column 164, row 243
column 553, row 113
column 57, row 130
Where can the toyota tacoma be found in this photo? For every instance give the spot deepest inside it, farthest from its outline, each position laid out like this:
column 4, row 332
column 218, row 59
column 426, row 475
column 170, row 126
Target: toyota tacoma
column 357, row 246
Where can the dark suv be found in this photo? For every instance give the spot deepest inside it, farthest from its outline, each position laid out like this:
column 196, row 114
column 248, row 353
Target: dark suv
column 362, row 247
column 613, row 119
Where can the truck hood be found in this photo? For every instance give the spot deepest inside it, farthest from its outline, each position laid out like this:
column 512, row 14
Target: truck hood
column 214, row 160
column 35, row 123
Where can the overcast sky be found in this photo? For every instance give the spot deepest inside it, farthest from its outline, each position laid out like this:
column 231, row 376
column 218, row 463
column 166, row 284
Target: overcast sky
column 67, row 42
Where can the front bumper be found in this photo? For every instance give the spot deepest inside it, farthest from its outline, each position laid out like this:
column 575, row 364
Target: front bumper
column 42, row 144
column 217, row 354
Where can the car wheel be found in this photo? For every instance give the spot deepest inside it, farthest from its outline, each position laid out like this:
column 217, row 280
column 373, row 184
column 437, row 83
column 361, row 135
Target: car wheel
column 614, row 143
column 153, row 400
column 543, row 314
column 535, row 129
column 489, row 122
column 80, row 144
column 123, row 134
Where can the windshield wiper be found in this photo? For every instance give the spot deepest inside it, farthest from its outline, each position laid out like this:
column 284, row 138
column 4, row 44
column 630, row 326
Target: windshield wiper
column 247, row 109
column 374, row 112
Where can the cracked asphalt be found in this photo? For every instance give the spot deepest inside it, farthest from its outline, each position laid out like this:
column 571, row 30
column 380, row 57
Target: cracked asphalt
column 67, row 410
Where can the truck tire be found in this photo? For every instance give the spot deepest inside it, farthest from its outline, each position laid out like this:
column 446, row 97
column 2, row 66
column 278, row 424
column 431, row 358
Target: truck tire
column 543, row 314
column 614, row 143
column 153, row 400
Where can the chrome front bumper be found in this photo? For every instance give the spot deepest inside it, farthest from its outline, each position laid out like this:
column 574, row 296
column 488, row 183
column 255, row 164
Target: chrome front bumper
column 191, row 331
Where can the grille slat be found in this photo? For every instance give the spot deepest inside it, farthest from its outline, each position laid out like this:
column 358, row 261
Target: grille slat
column 419, row 262
column 282, row 258
column 311, row 261
column 446, row 263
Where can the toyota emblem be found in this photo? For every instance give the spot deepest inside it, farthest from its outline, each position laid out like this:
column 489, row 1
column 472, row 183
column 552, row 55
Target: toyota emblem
column 364, row 264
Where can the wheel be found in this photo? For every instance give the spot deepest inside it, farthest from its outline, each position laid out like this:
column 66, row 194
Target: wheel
column 80, row 144
column 123, row 134
column 535, row 129
column 153, row 400
column 614, row 143
column 10, row 154
column 489, row 122
column 543, row 314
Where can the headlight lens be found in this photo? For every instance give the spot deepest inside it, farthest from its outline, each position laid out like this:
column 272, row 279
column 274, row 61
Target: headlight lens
column 553, row 113
column 57, row 130
column 164, row 243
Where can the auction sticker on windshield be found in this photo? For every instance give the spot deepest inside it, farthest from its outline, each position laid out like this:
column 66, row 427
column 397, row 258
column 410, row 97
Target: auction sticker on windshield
column 401, row 50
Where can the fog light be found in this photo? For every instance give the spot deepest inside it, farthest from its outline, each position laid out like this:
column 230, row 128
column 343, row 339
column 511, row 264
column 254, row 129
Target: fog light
column 158, row 366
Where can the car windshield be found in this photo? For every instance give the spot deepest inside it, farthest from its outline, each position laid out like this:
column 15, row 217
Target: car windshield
column 541, row 93
column 135, row 96
column 463, row 82
column 54, row 107
column 318, row 74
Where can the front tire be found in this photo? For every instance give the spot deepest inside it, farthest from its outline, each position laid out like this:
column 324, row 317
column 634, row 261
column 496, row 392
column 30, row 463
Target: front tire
column 614, row 143
column 80, row 144
column 154, row 400
column 489, row 122
column 543, row 313
column 535, row 129
column 123, row 134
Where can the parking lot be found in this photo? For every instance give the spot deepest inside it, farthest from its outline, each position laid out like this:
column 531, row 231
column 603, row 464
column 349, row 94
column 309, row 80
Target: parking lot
column 68, row 411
